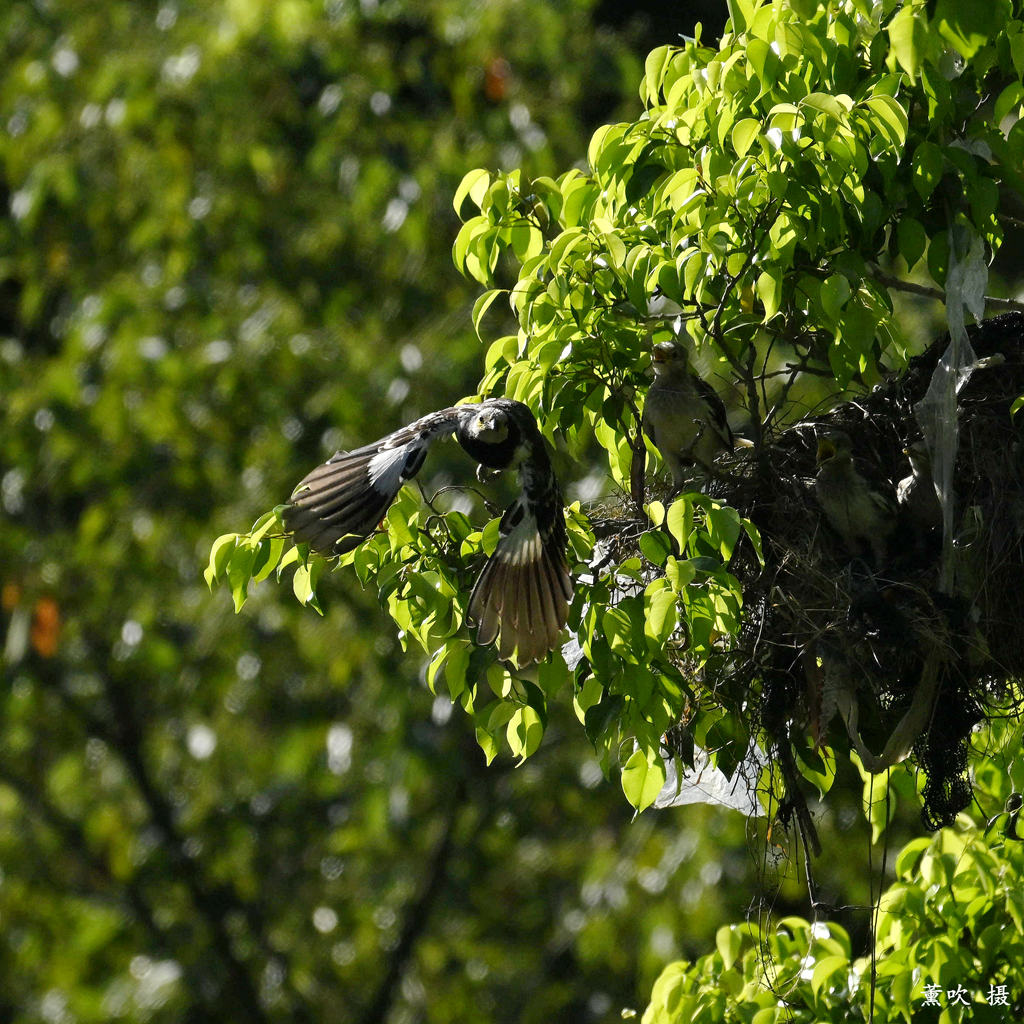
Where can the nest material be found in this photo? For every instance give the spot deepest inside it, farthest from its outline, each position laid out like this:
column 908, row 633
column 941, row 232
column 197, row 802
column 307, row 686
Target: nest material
column 880, row 652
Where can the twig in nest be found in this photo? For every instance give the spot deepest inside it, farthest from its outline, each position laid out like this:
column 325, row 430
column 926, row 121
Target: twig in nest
column 795, row 798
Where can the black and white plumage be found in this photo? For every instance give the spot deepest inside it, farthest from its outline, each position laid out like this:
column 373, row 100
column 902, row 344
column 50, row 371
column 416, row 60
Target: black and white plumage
column 683, row 415
column 522, row 595
column 862, row 516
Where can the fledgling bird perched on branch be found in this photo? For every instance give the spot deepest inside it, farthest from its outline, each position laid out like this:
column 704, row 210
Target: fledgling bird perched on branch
column 863, row 517
column 683, row 415
column 524, row 589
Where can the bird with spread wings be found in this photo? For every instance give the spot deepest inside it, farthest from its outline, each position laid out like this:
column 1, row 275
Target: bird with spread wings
column 521, row 597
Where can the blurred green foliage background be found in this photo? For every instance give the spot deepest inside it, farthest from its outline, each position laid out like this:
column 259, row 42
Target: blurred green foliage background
column 225, row 236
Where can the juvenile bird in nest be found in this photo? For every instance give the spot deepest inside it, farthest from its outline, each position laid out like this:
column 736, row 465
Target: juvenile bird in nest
column 683, row 415
column 523, row 592
column 916, row 493
column 863, row 517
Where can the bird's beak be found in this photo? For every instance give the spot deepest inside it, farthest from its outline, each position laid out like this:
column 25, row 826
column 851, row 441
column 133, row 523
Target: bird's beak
column 491, row 426
column 826, row 450
column 657, row 356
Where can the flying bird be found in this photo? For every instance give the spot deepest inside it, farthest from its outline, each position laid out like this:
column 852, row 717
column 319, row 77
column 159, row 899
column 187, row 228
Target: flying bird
column 683, row 415
column 863, row 517
column 521, row 597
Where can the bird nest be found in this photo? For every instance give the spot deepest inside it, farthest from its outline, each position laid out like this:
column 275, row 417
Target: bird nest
column 885, row 658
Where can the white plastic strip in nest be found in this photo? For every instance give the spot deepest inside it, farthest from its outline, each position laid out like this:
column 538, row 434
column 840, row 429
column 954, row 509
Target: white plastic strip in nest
column 937, row 411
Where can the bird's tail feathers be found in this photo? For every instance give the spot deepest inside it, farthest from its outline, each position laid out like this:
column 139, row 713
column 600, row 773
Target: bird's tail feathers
column 522, row 596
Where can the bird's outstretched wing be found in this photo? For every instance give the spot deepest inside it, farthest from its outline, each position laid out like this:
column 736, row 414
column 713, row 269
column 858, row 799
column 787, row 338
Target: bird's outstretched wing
column 339, row 504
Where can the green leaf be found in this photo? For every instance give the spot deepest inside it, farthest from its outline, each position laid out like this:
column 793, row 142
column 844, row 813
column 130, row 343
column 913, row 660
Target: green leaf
column 579, row 194
column 267, row 556
column 912, row 240
column 655, row 512
column 741, row 13
column 679, row 521
column 908, row 37
column 500, row 715
column 499, row 679
column 728, row 942
column 835, row 293
column 890, row 119
column 220, row 554
column 486, row 742
column 744, row 135
column 769, row 290
column 436, row 661
column 606, row 135
column 655, row 547
column 527, row 240
column 660, row 615
column 926, row 169
column 754, row 535
column 766, row 64
column 618, row 628
column 968, row 24
column 826, row 969
column 474, row 184
column 468, row 234
column 490, row 536
column 264, row 524
column 654, row 72
column 680, row 574
column 570, row 242
column 239, row 572
column 484, row 303
column 817, row 767
column 588, row 696
column 295, row 554
column 552, row 675
column 1010, row 99
column 724, row 529
column 938, row 257
column 524, row 732
column 304, row 583
column 825, row 103
column 453, row 659
column 642, row 779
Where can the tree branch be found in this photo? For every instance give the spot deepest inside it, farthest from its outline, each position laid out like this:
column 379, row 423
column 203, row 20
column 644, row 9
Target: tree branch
column 417, row 913
column 928, row 292
column 211, row 905
column 119, row 729
column 127, row 891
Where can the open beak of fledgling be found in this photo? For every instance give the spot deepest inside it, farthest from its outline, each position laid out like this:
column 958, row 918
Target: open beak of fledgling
column 826, row 450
